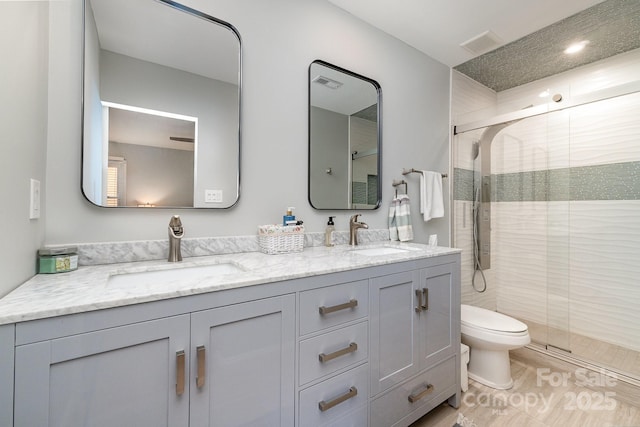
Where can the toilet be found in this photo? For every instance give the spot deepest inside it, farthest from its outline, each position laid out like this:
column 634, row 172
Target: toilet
column 491, row 335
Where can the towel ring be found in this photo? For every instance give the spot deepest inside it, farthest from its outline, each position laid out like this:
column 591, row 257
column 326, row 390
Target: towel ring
column 402, row 182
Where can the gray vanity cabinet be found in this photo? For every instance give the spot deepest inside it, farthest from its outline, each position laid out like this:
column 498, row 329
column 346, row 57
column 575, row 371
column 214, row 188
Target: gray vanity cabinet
column 394, row 352
column 376, row 346
column 68, row 381
column 227, row 366
column 414, row 343
column 242, row 364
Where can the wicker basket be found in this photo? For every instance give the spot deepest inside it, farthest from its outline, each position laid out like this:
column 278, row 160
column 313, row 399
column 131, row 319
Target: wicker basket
column 281, row 239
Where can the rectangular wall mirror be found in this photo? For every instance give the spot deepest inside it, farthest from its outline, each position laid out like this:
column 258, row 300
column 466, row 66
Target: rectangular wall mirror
column 344, row 139
column 161, row 106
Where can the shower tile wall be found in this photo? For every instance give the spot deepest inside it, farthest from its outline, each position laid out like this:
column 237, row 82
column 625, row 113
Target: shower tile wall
column 573, row 212
column 566, row 211
column 470, row 101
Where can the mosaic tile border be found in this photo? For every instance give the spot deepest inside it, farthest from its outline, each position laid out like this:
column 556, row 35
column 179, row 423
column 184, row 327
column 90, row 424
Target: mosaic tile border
column 616, row 181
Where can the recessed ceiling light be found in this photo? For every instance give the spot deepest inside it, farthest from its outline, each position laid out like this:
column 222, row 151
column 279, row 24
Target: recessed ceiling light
column 576, row 47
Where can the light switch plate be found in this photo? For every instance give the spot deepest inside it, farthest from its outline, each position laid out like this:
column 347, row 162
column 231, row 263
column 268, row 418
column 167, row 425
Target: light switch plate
column 34, row 199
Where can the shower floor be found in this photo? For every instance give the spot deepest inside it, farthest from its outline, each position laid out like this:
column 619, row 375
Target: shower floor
column 610, row 356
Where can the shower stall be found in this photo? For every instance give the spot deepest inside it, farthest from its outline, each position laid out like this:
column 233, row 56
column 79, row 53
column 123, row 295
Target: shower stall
column 547, row 212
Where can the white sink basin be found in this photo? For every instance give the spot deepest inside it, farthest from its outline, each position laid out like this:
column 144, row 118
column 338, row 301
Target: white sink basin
column 159, row 277
column 384, row 250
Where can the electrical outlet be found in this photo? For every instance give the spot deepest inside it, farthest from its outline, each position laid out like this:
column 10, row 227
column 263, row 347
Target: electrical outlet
column 213, row 196
column 34, row 199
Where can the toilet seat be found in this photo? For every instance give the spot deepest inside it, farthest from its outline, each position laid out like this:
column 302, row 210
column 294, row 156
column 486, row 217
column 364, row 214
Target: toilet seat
column 482, row 319
column 493, row 339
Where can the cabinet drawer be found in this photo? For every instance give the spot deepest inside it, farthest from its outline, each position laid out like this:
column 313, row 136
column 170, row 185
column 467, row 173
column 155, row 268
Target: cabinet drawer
column 327, row 353
column 357, row 418
column 396, row 404
column 334, row 398
column 330, row 306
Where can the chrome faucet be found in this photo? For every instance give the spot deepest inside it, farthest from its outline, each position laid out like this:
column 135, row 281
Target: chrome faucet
column 175, row 236
column 354, row 224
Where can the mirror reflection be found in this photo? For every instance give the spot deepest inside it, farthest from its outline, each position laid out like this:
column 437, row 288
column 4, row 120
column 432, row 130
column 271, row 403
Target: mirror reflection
column 161, row 124
column 344, row 139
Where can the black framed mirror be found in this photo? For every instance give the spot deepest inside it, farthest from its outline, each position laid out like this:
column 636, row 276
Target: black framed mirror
column 345, row 139
column 161, row 125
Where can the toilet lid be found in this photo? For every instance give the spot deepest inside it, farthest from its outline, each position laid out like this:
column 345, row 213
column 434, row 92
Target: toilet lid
column 486, row 319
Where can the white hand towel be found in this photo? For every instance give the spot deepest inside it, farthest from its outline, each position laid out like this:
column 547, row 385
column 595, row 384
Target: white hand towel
column 431, row 202
column 393, row 225
column 400, row 219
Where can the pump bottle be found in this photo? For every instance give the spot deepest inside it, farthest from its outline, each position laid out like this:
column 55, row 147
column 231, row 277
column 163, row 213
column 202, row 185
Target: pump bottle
column 328, row 233
column 289, row 218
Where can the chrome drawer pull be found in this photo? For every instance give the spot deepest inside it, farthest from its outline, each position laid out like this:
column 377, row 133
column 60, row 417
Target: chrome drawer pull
column 413, row 398
column 338, row 400
column 419, row 300
column 200, row 352
column 180, row 372
column 326, row 357
column 326, row 310
column 425, row 297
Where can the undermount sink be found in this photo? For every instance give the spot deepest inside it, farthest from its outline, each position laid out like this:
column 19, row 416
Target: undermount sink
column 158, row 277
column 384, row 250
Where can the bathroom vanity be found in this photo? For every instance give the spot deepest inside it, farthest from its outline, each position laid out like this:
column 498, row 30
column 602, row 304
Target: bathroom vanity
column 329, row 336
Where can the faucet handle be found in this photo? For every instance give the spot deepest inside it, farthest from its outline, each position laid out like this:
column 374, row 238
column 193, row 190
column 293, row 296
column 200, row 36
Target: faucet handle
column 354, row 218
column 175, row 225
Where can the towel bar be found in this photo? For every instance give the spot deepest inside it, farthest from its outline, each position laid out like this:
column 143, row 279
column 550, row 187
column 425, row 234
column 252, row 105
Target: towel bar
column 412, row 170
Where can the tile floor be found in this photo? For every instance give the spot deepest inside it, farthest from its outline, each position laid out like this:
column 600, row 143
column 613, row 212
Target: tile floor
column 599, row 352
column 545, row 393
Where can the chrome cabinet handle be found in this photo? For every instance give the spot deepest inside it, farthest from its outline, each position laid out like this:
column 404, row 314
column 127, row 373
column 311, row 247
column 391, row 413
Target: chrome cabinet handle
column 324, row 406
column 425, row 297
column 200, row 352
column 414, row 397
column 180, row 375
column 326, row 310
column 419, row 300
column 349, row 349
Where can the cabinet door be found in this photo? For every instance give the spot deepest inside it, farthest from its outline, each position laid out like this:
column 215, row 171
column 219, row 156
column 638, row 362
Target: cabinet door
column 123, row 376
column 243, row 364
column 7, row 339
column 436, row 340
column 394, row 353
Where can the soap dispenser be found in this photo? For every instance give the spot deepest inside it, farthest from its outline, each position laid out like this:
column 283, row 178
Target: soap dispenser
column 328, row 234
column 289, row 218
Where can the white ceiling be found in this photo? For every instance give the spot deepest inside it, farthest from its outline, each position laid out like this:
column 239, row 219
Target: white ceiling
column 438, row 27
column 154, row 32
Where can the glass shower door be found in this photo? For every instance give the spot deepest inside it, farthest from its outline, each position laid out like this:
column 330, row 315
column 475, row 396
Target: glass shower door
column 558, row 194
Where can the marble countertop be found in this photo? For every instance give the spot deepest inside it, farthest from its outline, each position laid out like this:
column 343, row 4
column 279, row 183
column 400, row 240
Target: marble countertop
column 113, row 285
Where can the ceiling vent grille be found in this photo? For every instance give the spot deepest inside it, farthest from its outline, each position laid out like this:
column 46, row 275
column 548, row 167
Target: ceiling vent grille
column 482, row 43
column 327, row 82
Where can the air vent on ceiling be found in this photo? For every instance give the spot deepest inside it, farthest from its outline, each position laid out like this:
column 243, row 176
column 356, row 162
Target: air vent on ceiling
column 327, row 82
column 482, row 43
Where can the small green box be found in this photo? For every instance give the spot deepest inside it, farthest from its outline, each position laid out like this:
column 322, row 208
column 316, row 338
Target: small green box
column 57, row 260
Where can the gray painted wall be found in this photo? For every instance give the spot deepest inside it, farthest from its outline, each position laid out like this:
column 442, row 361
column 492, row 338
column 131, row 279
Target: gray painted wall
column 130, row 81
column 159, row 175
column 23, row 126
column 280, row 39
column 330, row 132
